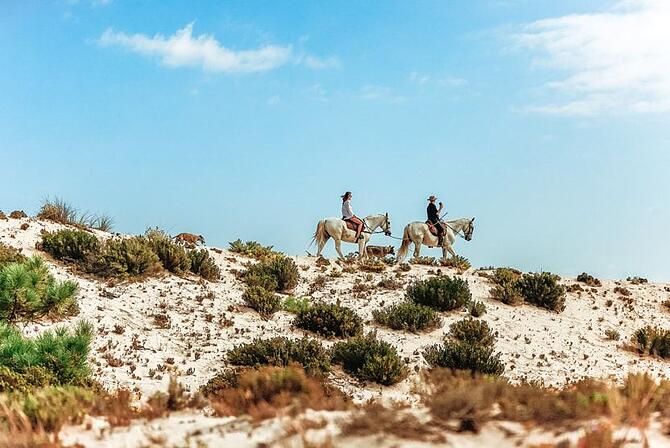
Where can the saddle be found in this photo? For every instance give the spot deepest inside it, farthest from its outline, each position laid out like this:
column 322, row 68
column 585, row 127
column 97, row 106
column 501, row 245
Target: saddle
column 350, row 224
column 432, row 228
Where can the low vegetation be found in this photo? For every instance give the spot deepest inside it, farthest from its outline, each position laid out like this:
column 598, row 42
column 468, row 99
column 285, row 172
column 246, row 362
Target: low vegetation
column 128, row 257
column 458, row 262
column 371, row 264
column 265, row 302
column 652, row 341
column 9, row 254
column 263, row 393
column 407, row 316
column 469, row 345
column 538, row 289
column 330, row 320
column 57, row 357
column 442, row 293
column 282, row 351
column 60, row 211
column 278, row 273
column 370, row 359
column 477, row 309
column 28, row 292
column 296, row 305
column 252, row 249
column 589, row 280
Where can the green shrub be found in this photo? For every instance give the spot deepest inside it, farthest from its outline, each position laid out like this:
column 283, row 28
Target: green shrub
column 442, row 293
column 122, row 257
column 506, row 287
column 9, row 254
column 588, row 279
column 32, row 377
column 653, row 341
column 468, row 346
column 330, row 320
column 265, row 302
column 370, row 359
column 61, row 353
column 296, row 305
column 172, row 256
column 472, row 331
column 71, row 245
column 252, row 249
column 458, row 262
column 225, row 379
column 543, row 290
column 281, row 269
column 203, row 264
column 28, row 291
column 477, row 309
column 407, row 316
column 281, row 351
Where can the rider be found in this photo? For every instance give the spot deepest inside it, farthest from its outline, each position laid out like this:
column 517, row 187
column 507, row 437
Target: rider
column 434, row 218
column 348, row 214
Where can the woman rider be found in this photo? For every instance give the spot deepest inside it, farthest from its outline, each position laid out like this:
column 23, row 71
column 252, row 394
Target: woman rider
column 348, row 214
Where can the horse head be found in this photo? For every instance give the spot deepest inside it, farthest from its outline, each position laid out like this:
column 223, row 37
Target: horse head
column 469, row 229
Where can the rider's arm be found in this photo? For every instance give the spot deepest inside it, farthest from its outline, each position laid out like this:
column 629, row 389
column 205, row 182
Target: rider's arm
column 441, row 207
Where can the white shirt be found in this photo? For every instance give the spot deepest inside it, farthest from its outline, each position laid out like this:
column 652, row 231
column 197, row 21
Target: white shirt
column 346, row 210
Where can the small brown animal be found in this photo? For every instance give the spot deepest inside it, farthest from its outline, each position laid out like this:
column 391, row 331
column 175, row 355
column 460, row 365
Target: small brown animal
column 189, row 239
column 380, row 251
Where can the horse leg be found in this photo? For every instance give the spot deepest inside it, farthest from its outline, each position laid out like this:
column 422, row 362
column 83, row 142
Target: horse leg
column 338, row 243
column 417, row 249
column 451, row 251
column 362, row 248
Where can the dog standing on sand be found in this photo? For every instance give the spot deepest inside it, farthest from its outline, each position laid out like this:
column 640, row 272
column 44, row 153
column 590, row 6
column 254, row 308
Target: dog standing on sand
column 189, row 239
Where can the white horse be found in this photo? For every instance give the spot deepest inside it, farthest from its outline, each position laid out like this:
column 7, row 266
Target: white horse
column 418, row 233
column 337, row 229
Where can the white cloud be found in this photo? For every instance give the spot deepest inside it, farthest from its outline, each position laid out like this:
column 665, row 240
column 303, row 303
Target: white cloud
column 615, row 61
column 445, row 81
column 320, row 63
column 182, row 49
column 379, row 93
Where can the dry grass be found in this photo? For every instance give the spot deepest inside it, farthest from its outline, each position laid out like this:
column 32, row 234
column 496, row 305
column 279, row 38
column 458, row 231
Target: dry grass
column 270, row 391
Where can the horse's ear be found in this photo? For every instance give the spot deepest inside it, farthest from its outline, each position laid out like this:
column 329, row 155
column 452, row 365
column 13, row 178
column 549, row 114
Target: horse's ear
column 472, row 220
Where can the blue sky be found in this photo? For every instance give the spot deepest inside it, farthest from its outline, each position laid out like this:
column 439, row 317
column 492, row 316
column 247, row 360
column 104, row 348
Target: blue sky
column 547, row 121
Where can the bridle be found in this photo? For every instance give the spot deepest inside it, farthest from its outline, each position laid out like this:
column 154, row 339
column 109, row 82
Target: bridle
column 386, row 231
column 467, row 233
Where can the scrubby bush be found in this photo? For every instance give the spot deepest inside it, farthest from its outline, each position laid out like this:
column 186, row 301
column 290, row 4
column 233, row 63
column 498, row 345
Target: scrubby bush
column 172, row 256
column 122, row 257
column 265, row 302
column 18, row 214
column 543, row 290
column 652, row 340
column 588, row 279
column 506, row 287
column 612, row 334
column 442, row 293
column 28, row 291
column 252, row 249
column 330, row 320
column 477, row 309
column 281, row 351
column 265, row 392
column 426, row 261
column 72, row 245
column 61, row 353
column 370, row 359
column 468, row 346
column 408, row 316
column 472, row 331
column 458, row 262
column 281, row 269
column 637, row 280
column 203, row 264
column 296, row 305
column 9, row 254
column 371, row 265
column 3, row 216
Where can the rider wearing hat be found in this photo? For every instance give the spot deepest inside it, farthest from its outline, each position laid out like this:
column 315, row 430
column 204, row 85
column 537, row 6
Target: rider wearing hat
column 434, row 217
column 348, row 214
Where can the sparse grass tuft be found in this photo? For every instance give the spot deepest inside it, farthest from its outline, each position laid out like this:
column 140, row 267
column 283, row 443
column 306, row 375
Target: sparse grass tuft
column 460, row 263
column 477, row 309
column 265, row 302
column 60, row 211
column 371, row 265
column 9, row 254
column 296, row 305
column 252, row 249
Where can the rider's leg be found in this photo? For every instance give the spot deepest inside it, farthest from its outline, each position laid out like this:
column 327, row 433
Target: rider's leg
column 440, row 234
column 359, row 228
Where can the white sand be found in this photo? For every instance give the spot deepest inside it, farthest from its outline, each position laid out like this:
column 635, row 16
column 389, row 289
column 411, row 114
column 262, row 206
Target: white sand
column 536, row 344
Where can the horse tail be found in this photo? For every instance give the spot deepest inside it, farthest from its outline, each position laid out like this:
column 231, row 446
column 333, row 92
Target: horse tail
column 404, row 247
column 320, row 235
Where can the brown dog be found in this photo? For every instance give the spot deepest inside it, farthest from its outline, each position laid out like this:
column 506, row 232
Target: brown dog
column 380, row 251
column 189, row 239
